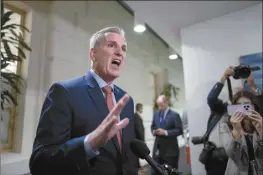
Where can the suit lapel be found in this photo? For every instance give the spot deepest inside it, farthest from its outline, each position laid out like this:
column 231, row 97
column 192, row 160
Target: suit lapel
column 96, row 95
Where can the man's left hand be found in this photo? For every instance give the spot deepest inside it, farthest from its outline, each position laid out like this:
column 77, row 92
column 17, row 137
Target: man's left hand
column 160, row 132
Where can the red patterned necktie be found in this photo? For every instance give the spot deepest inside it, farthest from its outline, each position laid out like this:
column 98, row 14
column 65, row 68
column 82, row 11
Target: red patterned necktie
column 110, row 104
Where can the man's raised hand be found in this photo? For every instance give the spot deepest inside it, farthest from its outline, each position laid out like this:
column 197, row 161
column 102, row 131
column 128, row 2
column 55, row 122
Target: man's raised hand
column 109, row 126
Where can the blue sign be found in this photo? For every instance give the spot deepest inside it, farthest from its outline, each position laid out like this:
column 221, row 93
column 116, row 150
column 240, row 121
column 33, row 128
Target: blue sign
column 254, row 60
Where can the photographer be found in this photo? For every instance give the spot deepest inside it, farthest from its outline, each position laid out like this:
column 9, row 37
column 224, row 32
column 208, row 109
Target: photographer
column 256, row 91
column 240, row 127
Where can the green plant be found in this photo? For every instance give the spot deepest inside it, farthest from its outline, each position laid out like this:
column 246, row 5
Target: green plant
column 12, row 52
column 169, row 90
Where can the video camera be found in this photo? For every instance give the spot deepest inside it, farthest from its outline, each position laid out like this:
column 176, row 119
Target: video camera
column 243, row 71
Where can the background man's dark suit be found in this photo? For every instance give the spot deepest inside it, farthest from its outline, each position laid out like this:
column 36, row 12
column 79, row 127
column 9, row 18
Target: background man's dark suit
column 139, row 128
column 167, row 146
column 73, row 109
column 139, row 131
column 260, row 97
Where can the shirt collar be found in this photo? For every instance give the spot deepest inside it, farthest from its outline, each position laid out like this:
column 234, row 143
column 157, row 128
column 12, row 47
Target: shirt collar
column 100, row 81
column 165, row 111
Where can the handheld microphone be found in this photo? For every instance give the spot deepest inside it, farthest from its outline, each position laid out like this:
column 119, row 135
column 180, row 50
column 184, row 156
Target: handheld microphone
column 141, row 150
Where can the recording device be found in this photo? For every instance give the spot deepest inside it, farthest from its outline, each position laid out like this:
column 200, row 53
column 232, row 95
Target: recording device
column 140, row 149
column 244, row 108
column 199, row 140
column 243, row 71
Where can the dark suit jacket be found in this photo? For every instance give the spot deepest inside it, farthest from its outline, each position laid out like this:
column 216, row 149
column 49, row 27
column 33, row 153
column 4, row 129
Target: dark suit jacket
column 73, row 109
column 167, row 145
column 139, row 128
column 260, row 97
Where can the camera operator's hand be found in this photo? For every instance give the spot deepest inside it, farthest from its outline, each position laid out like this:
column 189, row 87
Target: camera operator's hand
column 236, row 120
column 228, row 72
column 257, row 122
column 251, row 83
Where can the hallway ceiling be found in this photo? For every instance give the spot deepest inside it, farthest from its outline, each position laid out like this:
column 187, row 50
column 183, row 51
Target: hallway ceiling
column 166, row 18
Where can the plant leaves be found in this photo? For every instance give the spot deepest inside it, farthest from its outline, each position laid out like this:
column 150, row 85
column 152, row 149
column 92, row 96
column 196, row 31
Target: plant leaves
column 8, row 27
column 5, row 18
column 12, row 79
column 24, row 45
column 4, row 64
column 10, row 39
column 21, row 27
column 10, row 58
column 7, row 48
column 21, row 52
column 7, row 96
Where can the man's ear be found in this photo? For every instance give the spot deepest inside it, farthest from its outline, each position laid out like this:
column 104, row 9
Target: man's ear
column 92, row 54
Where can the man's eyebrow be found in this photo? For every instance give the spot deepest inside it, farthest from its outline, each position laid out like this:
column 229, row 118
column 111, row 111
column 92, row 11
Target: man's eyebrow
column 110, row 41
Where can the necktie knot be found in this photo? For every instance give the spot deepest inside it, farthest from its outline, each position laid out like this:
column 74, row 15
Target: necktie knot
column 107, row 89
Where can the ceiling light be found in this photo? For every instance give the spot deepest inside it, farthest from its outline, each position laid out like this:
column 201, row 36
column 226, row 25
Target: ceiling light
column 173, row 57
column 139, row 28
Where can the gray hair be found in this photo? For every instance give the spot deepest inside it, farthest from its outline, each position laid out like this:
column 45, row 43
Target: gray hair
column 97, row 37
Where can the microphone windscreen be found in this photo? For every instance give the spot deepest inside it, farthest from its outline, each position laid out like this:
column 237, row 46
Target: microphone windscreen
column 139, row 148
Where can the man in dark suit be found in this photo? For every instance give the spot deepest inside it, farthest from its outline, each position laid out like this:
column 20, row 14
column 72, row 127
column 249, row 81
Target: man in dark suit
column 166, row 126
column 87, row 123
column 139, row 128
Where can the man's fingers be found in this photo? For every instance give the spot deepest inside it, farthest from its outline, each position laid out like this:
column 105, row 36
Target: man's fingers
column 120, row 105
column 123, row 123
column 111, row 122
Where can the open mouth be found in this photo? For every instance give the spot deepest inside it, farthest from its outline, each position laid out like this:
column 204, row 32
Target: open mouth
column 116, row 62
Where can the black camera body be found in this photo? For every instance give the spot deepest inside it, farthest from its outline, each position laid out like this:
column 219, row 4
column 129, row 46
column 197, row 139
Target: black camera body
column 241, row 72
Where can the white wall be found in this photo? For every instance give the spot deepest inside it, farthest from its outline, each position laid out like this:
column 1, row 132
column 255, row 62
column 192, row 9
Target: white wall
column 60, row 42
column 208, row 48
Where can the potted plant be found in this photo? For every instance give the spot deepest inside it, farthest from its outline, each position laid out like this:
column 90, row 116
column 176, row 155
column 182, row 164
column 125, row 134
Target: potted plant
column 13, row 48
column 169, row 91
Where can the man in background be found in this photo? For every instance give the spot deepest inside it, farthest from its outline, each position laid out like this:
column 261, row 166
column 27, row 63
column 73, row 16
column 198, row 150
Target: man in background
column 139, row 128
column 166, row 127
column 256, row 91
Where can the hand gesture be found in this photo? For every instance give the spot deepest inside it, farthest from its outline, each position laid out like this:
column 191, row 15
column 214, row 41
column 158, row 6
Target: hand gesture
column 250, row 80
column 109, row 126
column 229, row 72
column 235, row 120
column 257, row 122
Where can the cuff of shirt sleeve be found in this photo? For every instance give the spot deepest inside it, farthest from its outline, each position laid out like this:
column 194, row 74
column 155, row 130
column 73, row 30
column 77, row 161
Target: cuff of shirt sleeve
column 166, row 132
column 90, row 153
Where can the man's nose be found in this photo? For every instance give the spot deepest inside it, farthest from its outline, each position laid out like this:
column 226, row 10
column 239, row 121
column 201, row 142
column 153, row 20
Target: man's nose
column 119, row 52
